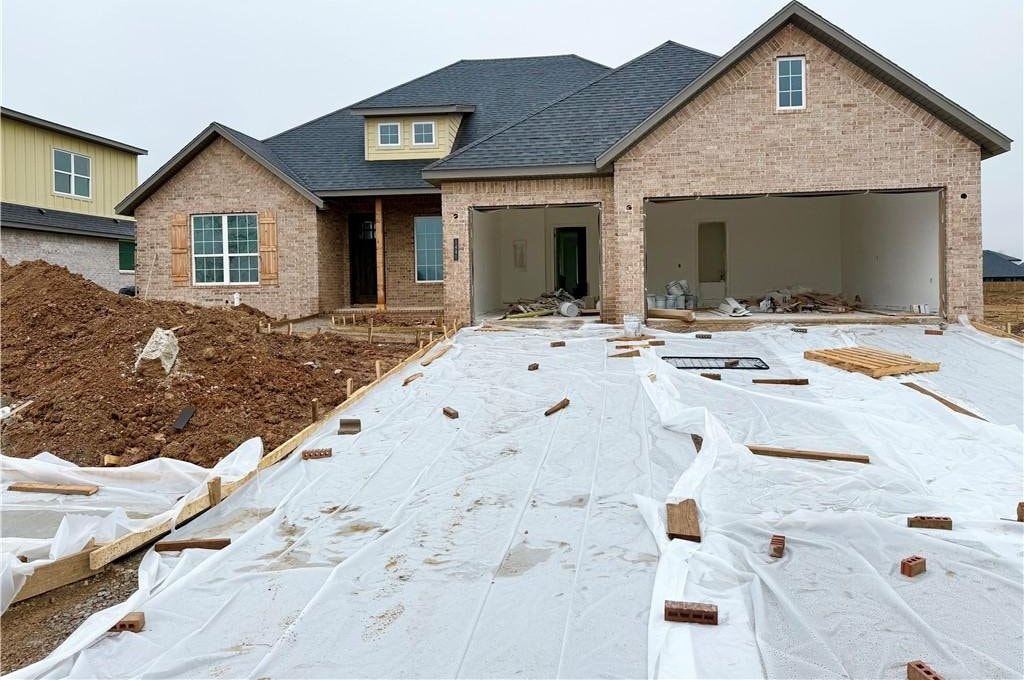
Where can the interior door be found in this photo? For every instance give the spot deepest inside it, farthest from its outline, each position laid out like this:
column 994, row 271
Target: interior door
column 362, row 258
column 711, row 262
column 571, row 260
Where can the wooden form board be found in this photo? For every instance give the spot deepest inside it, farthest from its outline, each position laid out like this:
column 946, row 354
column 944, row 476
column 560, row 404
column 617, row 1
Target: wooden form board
column 65, row 489
column 869, row 361
column 806, row 455
column 682, row 520
column 942, row 400
column 780, row 381
column 61, row 572
column 204, row 543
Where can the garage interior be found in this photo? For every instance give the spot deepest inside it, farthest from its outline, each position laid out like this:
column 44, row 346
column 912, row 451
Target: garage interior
column 523, row 252
column 884, row 247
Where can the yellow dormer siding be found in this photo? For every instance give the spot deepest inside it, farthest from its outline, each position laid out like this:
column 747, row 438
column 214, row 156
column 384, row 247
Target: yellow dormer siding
column 446, row 127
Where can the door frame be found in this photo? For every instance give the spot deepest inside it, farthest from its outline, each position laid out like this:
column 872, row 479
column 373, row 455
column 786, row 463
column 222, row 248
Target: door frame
column 583, row 255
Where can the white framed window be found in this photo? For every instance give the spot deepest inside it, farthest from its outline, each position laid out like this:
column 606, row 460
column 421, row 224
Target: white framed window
column 72, row 174
column 790, row 83
column 423, row 133
column 429, row 258
column 225, row 249
column 389, row 134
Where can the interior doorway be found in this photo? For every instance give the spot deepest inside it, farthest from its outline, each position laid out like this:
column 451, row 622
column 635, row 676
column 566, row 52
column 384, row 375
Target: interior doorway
column 571, row 260
column 711, row 262
column 362, row 257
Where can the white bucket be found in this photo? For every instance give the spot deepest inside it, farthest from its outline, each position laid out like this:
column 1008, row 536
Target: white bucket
column 659, row 302
column 677, row 288
column 632, row 325
column 651, row 301
column 671, row 301
column 568, row 309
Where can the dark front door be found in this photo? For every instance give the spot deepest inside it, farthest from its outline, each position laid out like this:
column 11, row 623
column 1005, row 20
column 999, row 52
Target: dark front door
column 571, row 260
column 362, row 258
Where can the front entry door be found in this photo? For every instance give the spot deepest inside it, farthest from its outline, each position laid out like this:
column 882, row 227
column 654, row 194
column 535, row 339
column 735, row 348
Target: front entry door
column 362, row 258
column 571, row 260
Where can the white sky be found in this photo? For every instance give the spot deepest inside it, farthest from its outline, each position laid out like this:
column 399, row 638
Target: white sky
column 154, row 73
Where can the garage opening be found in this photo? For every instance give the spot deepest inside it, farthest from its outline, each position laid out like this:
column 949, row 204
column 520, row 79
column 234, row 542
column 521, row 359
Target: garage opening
column 521, row 253
column 878, row 251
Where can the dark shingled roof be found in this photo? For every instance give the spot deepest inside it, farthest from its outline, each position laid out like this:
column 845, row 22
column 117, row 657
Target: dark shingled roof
column 995, row 265
column 328, row 154
column 577, row 128
column 44, row 219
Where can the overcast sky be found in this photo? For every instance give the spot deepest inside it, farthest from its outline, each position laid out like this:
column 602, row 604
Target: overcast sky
column 155, row 73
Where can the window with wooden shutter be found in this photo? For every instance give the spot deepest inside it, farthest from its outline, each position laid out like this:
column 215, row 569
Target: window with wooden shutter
column 268, row 248
column 179, row 250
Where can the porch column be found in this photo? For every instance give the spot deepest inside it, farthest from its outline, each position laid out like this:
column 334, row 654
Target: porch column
column 378, row 232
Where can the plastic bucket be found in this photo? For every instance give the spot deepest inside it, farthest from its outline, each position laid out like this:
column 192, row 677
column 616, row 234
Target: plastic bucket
column 659, row 302
column 676, row 288
column 568, row 309
column 632, row 325
column 671, row 301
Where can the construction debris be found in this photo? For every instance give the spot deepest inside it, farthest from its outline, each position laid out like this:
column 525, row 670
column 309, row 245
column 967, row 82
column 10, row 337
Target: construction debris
column 780, row 381
column 930, row 522
column 132, row 623
column 798, row 299
column 450, row 412
column 912, row 566
column 186, row 415
column 558, row 343
column 777, row 546
column 314, row 454
column 64, row 489
column 350, row 426
column 919, row 670
column 730, row 307
column 711, row 376
column 414, row 376
column 932, row 331
column 533, row 367
column 682, row 520
column 869, row 361
column 778, row 452
column 631, row 354
column 691, row 612
column 185, row 544
column 558, row 302
column 158, row 355
column 557, row 407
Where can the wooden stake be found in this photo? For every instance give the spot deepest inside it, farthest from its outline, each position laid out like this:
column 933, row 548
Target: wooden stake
column 291, row 329
column 214, row 491
column 314, row 409
column 412, row 377
column 377, row 367
column 348, row 389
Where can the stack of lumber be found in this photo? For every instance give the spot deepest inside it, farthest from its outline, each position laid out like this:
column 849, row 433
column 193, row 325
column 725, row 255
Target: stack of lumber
column 797, row 300
column 544, row 305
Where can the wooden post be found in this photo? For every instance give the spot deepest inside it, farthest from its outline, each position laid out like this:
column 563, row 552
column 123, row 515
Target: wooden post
column 348, row 389
column 378, row 233
column 213, row 490
column 377, row 366
column 369, row 331
column 315, row 409
column 290, row 329
column 431, row 336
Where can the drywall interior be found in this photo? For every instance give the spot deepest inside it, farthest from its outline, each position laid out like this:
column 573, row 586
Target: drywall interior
column 771, row 242
column 486, row 270
column 891, row 249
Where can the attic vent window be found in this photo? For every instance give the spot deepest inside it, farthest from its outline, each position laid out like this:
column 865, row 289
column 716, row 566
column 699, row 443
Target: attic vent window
column 790, row 83
column 389, row 134
column 423, row 133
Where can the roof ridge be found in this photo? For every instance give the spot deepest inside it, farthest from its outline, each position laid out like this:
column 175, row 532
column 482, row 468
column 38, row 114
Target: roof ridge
column 547, row 106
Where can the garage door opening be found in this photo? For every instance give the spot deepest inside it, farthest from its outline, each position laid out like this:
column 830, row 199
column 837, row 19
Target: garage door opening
column 520, row 253
column 879, row 251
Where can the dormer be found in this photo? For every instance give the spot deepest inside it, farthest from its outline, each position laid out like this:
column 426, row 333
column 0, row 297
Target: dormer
column 411, row 132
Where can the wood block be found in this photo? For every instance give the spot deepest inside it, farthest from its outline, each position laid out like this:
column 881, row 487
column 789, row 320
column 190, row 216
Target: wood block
column 186, row 415
column 919, row 670
column 350, row 426
column 558, row 343
column 656, row 343
column 557, row 407
column 691, row 612
column 204, row 543
column 412, row 377
column 732, row 363
column 1020, row 511
column 632, row 354
column 703, row 336
column 533, row 367
column 711, row 376
column 110, row 460
column 42, row 487
column 683, row 520
column 930, row 522
column 314, row 454
column 777, row 546
column 798, row 330
column 781, row 381
column 450, row 412
column 132, row 623
column 214, row 491
column 912, row 566
column 806, row 455
column 435, row 356
column 932, row 331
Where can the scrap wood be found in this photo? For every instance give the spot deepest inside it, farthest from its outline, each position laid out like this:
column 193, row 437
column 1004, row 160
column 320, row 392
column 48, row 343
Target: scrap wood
column 942, row 400
column 558, row 343
column 186, row 543
column 780, row 381
column 691, row 612
column 450, row 412
column 435, row 356
column 686, row 315
column 930, row 522
column 631, row 338
column 412, row 377
column 132, row 623
column 779, row 452
column 656, row 343
column 110, row 460
column 66, row 489
column 919, row 670
column 20, row 407
column 557, row 407
column 544, row 305
column 215, row 491
column 632, row 354
column 711, row 376
column 869, row 361
column 932, row 331
column 682, row 520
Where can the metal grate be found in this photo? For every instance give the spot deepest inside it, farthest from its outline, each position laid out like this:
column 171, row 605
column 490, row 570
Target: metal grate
column 717, row 362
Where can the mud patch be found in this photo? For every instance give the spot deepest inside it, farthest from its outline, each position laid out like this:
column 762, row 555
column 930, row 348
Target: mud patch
column 521, row 559
column 357, row 527
column 380, row 623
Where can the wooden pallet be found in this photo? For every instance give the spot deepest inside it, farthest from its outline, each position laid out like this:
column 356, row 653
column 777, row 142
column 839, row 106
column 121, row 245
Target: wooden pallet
column 870, row 361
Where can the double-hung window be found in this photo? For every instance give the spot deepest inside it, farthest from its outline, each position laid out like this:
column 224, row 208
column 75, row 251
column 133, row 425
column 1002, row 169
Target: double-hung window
column 72, row 174
column 423, row 133
column 225, row 249
column 429, row 259
column 389, row 134
column 790, row 83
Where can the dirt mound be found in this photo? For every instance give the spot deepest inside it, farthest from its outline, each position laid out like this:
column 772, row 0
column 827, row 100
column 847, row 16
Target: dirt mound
column 70, row 346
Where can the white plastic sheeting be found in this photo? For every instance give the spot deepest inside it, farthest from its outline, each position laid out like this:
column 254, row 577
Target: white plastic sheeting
column 506, row 543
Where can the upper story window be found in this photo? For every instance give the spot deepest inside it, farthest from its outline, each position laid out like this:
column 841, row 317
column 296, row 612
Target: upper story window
column 790, row 83
column 389, row 134
column 72, row 174
column 423, row 133
column 238, row 262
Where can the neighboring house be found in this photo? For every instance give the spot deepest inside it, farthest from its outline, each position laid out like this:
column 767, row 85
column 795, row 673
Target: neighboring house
column 799, row 158
column 998, row 267
column 60, row 186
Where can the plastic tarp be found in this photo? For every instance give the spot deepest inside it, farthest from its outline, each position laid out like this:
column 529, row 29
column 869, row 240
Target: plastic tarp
column 507, row 543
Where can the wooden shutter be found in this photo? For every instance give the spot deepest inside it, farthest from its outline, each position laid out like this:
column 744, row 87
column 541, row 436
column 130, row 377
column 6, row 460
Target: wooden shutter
column 268, row 248
column 179, row 250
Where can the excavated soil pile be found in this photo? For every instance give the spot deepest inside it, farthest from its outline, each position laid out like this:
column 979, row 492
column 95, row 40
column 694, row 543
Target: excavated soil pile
column 70, row 346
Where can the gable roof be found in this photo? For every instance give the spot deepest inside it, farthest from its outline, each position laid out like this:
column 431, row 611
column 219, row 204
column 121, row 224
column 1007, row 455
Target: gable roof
column 35, row 218
column 996, row 265
column 328, row 152
column 991, row 141
column 69, row 131
column 570, row 133
column 254, row 148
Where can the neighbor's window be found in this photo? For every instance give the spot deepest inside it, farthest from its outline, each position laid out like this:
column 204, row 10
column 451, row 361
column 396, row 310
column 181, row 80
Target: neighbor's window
column 388, row 134
column 238, row 262
column 126, row 256
column 790, row 82
column 429, row 262
column 423, row 133
column 72, row 174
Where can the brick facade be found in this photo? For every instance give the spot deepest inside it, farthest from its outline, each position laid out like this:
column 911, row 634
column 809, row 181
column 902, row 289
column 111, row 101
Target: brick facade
column 94, row 258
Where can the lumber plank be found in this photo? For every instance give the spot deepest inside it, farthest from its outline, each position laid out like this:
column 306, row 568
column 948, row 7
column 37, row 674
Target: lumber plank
column 998, row 332
column 414, row 376
column 682, row 520
column 781, row 381
column 631, row 354
column 942, row 400
column 60, row 572
column 184, row 544
column 435, row 356
column 711, row 376
column 676, row 314
column 557, row 407
column 65, row 489
column 631, row 338
column 779, row 452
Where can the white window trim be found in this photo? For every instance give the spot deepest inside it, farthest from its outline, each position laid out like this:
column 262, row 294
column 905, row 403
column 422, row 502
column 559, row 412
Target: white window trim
column 778, row 83
column 415, row 251
column 54, row 171
column 433, row 132
column 389, row 146
column 225, row 255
